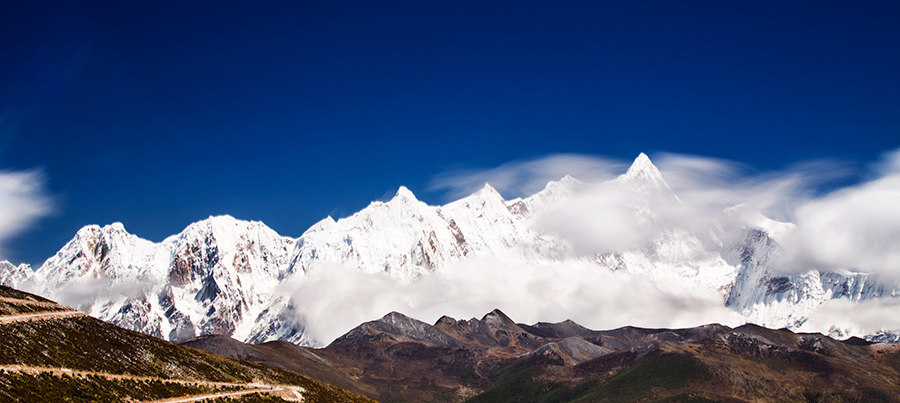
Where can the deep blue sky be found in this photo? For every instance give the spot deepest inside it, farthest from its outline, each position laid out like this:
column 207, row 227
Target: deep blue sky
column 158, row 115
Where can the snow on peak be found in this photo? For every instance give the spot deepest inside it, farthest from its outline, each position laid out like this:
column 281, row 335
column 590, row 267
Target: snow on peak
column 645, row 178
column 552, row 195
column 566, row 185
column 323, row 225
column 403, row 193
column 643, row 169
column 220, row 275
column 14, row 276
column 488, row 191
column 569, row 179
column 777, row 230
column 220, row 221
column 91, row 234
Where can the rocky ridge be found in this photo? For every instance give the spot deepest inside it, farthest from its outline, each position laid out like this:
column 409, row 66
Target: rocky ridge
column 397, row 358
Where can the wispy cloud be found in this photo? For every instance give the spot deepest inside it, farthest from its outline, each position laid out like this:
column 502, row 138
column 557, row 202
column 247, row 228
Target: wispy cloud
column 23, row 200
column 525, row 177
column 856, row 227
column 709, row 185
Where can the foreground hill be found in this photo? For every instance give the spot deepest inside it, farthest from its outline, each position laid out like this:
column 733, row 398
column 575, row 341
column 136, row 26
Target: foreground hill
column 49, row 352
column 494, row 359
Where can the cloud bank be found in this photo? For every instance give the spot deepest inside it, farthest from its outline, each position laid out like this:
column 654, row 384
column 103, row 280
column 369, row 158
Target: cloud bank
column 336, row 298
column 23, row 200
column 843, row 317
column 856, row 227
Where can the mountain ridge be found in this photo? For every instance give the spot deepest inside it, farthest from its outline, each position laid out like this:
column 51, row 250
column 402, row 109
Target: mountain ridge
column 483, row 363
column 225, row 276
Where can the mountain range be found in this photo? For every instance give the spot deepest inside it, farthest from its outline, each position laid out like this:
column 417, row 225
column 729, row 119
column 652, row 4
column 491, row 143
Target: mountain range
column 237, row 278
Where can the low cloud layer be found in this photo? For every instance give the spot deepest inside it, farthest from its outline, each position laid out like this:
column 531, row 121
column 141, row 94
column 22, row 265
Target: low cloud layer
column 23, row 200
column 855, row 228
column 844, row 317
column 336, row 299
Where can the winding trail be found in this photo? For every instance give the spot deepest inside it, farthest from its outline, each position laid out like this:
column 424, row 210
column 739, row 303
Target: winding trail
column 40, row 315
column 286, row 392
column 204, row 397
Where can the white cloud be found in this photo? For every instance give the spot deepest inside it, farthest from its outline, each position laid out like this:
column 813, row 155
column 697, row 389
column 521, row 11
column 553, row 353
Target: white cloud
column 336, row 299
column 84, row 293
column 854, row 318
column 855, row 228
column 601, row 218
column 23, row 200
column 709, row 185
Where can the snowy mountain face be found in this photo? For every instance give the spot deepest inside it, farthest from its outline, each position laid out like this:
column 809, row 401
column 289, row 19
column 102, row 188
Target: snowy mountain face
column 12, row 274
column 225, row 276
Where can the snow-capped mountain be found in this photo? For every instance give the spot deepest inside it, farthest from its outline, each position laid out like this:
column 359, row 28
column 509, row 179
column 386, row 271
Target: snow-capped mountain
column 12, row 274
column 226, row 276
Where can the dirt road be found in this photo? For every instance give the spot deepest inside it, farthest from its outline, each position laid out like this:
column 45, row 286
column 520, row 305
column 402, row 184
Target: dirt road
column 286, row 392
column 40, row 315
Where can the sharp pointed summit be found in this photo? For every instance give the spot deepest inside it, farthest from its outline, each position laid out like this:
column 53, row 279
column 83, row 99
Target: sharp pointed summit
column 404, row 193
column 642, row 168
column 645, row 178
column 487, row 189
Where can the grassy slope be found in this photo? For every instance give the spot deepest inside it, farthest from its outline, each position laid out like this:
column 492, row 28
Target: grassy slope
column 654, row 377
column 710, row 372
column 8, row 292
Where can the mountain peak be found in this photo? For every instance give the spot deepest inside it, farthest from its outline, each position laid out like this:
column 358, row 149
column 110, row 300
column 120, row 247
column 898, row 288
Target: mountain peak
column 213, row 220
column 497, row 316
column 94, row 231
column 403, row 193
column 394, row 316
column 398, row 327
column 322, row 225
column 571, row 179
column 487, row 189
column 645, row 177
column 644, row 168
